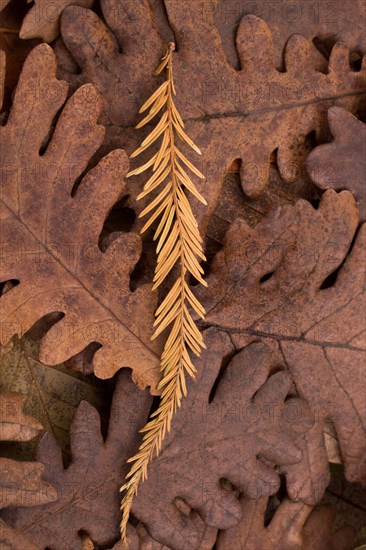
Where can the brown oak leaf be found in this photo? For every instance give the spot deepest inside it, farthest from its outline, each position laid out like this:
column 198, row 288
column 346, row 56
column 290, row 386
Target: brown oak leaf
column 140, row 539
column 88, row 496
column 22, row 483
column 237, row 428
column 295, row 526
column 43, row 19
column 342, row 163
column 323, row 22
column 295, row 280
column 247, row 114
column 50, row 230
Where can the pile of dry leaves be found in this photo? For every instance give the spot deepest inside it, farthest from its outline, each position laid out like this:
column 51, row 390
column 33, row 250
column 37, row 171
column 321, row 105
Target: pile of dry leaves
column 274, row 94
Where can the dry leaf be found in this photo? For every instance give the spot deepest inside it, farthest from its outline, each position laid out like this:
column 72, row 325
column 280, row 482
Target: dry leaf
column 247, row 114
column 50, row 394
column 233, row 204
column 295, row 526
column 140, row 539
column 43, row 19
column 237, row 428
column 342, row 163
column 289, row 291
column 22, row 483
column 49, row 237
column 323, row 22
column 14, row 424
column 293, row 280
column 88, row 496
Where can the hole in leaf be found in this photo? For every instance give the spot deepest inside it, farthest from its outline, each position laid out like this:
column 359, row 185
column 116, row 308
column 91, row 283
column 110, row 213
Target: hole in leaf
column 133, row 520
column 315, row 203
column 331, row 280
column 4, row 118
column 266, row 277
column 6, row 286
column 310, row 140
column 272, row 505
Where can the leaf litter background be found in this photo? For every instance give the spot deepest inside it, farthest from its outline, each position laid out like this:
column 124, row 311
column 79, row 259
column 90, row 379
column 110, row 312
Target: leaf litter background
column 274, row 93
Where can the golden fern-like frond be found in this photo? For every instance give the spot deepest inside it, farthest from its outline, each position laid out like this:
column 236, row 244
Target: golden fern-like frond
column 178, row 243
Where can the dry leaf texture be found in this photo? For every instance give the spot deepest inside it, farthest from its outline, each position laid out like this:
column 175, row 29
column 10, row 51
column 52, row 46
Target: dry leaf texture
column 342, row 163
column 22, row 483
column 88, row 496
column 325, row 23
column 247, row 114
column 238, row 431
column 298, row 280
column 51, row 394
column 43, row 19
column 49, row 234
column 295, row 526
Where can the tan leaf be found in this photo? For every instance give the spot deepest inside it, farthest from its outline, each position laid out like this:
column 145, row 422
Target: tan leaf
column 49, row 235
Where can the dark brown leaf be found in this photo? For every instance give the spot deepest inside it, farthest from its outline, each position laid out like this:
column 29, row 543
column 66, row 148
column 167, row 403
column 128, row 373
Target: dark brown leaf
column 293, row 280
column 295, row 526
column 323, row 22
column 238, row 429
column 140, row 539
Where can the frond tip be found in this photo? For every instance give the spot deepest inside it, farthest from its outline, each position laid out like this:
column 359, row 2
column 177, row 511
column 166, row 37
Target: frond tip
column 179, row 243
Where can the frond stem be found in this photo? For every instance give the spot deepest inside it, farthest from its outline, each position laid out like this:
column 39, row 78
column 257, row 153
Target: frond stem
column 174, row 361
